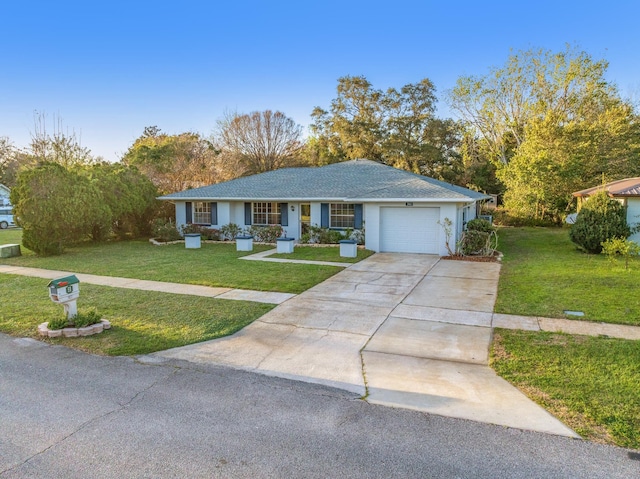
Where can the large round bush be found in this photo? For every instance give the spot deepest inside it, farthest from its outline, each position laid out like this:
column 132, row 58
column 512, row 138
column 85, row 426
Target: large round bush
column 600, row 219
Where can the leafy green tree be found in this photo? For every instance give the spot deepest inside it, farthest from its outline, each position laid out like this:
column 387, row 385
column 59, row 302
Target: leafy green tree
column 56, row 208
column 259, row 141
column 600, row 219
column 130, row 197
column 395, row 127
column 176, row 162
column 551, row 124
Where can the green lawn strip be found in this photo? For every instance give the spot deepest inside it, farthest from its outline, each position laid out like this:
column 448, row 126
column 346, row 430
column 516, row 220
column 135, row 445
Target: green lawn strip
column 211, row 265
column 142, row 321
column 320, row 253
column 544, row 274
column 590, row 383
column 12, row 236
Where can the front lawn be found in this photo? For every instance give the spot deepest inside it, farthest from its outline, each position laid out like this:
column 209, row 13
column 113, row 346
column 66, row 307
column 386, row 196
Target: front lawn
column 590, row 383
column 142, row 321
column 211, row 265
column 322, row 253
column 543, row 274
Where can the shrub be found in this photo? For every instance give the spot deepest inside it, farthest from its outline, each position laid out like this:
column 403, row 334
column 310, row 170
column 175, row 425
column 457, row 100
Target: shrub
column 615, row 247
column 190, row 228
column 58, row 323
column 81, row 320
column 357, row 236
column 210, row 234
column 56, row 208
column 480, row 224
column 266, row 234
column 473, row 242
column 600, row 219
column 318, row 235
column 86, row 319
column 230, row 231
column 165, row 230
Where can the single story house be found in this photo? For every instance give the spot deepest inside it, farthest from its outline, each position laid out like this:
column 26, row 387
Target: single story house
column 627, row 192
column 399, row 211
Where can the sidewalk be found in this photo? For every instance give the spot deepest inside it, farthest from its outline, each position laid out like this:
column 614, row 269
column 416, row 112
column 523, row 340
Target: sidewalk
column 569, row 326
column 453, row 316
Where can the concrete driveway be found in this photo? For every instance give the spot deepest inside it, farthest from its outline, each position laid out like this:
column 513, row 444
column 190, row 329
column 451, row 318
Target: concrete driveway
column 403, row 330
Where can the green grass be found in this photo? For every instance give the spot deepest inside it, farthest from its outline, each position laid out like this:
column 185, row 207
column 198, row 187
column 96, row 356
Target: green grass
column 319, row 253
column 544, row 274
column 211, row 265
column 142, row 321
column 11, row 236
column 590, row 383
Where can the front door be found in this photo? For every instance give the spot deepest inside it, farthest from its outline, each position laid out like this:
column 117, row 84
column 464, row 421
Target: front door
column 305, row 218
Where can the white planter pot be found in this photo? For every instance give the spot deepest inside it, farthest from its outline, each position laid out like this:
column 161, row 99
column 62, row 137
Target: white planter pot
column 192, row 240
column 348, row 248
column 244, row 243
column 285, row 245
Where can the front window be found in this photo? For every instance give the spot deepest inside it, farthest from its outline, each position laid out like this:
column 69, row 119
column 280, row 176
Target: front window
column 342, row 215
column 202, row 213
column 266, row 214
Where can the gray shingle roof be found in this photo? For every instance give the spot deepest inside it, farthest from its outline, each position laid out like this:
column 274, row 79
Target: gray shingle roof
column 355, row 179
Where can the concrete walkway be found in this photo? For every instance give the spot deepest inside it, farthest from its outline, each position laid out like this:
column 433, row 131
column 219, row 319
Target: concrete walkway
column 264, row 256
column 160, row 286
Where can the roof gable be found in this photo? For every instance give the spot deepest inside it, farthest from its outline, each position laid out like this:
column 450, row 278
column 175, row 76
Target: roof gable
column 349, row 180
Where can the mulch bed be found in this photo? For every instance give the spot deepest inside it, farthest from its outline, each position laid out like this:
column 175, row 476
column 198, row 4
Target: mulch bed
column 476, row 259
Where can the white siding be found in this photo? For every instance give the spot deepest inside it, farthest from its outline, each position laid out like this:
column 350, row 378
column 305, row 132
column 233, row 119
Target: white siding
column 224, row 213
column 633, row 217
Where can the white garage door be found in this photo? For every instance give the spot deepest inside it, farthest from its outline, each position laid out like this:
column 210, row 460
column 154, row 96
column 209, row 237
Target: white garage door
column 409, row 230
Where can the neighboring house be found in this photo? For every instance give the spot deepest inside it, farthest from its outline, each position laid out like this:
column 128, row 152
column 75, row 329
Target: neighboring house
column 4, row 195
column 627, row 192
column 400, row 211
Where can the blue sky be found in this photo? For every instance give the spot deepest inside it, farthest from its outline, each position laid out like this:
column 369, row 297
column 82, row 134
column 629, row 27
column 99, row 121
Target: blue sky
column 108, row 69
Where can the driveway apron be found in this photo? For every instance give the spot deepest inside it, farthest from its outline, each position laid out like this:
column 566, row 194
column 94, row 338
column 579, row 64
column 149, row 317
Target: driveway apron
column 317, row 336
column 403, row 330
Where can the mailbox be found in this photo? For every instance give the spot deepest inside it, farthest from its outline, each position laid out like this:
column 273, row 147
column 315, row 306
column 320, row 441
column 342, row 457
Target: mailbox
column 64, row 290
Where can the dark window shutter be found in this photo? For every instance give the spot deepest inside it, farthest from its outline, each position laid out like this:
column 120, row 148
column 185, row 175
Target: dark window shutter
column 324, row 215
column 357, row 216
column 214, row 213
column 247, row 214
column 189, row 213
column 284, row 215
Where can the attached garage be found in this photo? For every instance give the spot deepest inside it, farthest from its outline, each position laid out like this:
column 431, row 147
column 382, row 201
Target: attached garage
column 409, row 230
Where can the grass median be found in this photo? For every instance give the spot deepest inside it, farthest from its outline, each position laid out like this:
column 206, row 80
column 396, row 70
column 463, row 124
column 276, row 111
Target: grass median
column 590, row 383
column 142, row 321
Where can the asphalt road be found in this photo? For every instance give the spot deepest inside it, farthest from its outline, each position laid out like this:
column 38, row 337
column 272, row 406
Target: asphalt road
column 66, row 414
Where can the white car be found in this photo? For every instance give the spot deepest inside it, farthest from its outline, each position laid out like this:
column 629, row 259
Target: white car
column 6, row 217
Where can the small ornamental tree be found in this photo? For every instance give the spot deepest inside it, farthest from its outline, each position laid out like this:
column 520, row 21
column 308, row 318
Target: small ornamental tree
column 600, row 219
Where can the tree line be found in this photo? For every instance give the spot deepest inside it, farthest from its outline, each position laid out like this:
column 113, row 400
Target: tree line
column 533, row 130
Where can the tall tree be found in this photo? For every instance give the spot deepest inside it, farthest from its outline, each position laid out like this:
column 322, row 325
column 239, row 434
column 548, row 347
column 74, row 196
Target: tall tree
column 58, row 146
column 260, row 141
column 395, row 127
column 551, row 124
column 176, row 162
